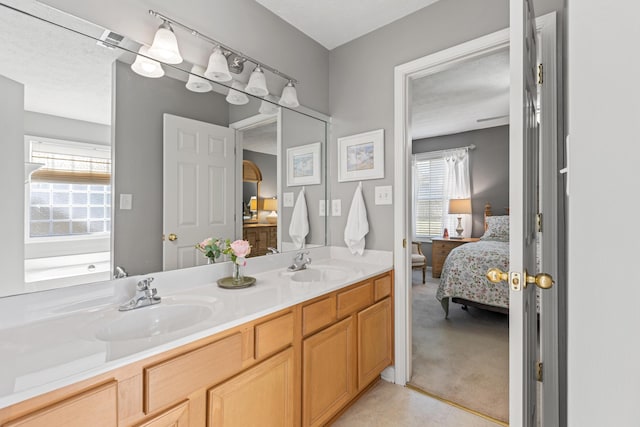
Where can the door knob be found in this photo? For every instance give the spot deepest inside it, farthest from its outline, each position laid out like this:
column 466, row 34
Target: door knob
column 541, row 280
column 173, row 237
column 495, row 275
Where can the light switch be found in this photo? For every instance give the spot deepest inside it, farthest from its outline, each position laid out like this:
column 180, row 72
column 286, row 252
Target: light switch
column 322, row 207
column 384, row 195
column 336, row 207
column 126, row 201
column 287, row 200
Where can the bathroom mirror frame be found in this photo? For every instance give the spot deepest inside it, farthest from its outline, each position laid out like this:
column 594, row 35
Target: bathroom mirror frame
column 177, row 69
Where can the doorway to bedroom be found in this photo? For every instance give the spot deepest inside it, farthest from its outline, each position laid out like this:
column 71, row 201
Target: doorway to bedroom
column 460, row 179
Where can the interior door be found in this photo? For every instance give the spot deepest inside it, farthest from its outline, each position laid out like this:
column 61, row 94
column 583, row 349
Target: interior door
column 523, row 190
column 199, row 188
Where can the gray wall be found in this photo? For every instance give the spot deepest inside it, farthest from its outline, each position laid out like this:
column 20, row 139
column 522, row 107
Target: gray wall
column 488, row 170
column 12, row 181
column 46, row 125
column 297, row 130
column 244, row 25
column 139, row 105
column 361, row 87
column 268, row 165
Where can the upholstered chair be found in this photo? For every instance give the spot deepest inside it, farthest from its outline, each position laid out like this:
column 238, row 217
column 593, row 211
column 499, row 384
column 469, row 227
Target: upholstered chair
column 418, row 259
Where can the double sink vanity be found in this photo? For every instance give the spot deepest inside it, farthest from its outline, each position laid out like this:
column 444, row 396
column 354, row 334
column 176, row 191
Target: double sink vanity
column 295, row 349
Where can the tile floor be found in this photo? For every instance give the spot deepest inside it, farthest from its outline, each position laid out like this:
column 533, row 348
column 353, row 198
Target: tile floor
column 388, row 404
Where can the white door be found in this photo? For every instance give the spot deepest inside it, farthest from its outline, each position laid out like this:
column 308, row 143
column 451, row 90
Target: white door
column 199, row 188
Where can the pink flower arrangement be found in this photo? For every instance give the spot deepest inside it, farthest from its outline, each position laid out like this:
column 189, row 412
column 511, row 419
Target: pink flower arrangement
column 238, row 250
column 211, row 248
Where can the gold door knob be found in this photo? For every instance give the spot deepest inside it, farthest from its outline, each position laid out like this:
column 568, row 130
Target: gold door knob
column 173, row 237
column 542, row 280
column 495, row 275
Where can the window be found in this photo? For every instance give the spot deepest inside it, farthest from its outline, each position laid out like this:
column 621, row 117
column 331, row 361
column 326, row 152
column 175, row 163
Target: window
column 70, row 195
column 428, row 194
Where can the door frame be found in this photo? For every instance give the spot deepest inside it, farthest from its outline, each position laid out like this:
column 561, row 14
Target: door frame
column 430, row 64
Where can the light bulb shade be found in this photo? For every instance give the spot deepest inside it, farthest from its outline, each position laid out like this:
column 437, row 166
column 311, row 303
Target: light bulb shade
column 460, row 206
column 257, row 83
column 267, row 107
column 218, row 69
column 253, row 203
column 289, row 96
column 235, row 96
column 270, row 205
column 197, row 83
column 165, row 45
column 146, row 67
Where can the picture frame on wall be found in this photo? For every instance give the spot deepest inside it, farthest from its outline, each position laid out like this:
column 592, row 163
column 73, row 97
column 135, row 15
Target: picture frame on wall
column 361, row 156
column 303, row 165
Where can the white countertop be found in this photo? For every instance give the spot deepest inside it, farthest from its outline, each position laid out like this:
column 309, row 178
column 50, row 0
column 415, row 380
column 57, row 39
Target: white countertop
column 48, row 340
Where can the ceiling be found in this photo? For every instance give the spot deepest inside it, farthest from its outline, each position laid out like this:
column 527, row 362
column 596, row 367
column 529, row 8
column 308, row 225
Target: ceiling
column 335, row 22
column 453, row 100
column 261, row 139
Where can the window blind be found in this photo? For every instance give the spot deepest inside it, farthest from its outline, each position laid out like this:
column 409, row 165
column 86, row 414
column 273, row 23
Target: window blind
column 428, row 198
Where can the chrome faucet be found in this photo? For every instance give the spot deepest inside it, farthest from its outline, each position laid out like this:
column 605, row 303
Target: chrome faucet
column 145, row 295
column 300, row 262
column 271, row 250
column 120, row 273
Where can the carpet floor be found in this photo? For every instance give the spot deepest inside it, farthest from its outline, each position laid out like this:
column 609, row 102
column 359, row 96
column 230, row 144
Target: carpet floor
column 465, row 358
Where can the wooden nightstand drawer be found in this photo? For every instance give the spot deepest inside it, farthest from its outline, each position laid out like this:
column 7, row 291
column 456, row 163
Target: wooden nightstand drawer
column 440, row 249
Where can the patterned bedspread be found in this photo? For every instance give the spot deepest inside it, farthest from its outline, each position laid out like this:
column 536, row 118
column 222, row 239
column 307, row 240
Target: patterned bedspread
column 464, row 270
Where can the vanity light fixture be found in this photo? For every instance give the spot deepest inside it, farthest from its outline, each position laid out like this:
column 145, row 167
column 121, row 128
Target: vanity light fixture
column 289, row 96
column 269, row 108
column 236, row 95
column 165, row 45
column 257, row 83
column 145, row 66
column 218, row 69
column 197, row 83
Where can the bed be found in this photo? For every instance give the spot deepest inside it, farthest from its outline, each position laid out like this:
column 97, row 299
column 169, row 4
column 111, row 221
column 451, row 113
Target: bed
column 463, row 278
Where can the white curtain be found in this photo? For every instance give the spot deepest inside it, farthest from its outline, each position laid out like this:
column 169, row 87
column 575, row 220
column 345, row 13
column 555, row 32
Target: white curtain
column 457, row 185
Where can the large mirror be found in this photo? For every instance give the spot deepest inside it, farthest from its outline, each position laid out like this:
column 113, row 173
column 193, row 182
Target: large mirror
column 99, row 168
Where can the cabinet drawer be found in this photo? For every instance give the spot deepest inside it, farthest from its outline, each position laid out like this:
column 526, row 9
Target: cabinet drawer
column 273, row 335
column 355, row 299
column 170, row 381
column 318, row 315
column 382, row 287
column 95, row 407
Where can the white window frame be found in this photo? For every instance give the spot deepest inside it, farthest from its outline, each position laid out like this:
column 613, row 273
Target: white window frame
column 417, row 157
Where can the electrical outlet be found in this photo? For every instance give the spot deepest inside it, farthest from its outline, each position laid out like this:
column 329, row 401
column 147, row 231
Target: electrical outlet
column 126, row 202
column 336, row 207
column 383, row 195
column 287, row 200
column 322, row 207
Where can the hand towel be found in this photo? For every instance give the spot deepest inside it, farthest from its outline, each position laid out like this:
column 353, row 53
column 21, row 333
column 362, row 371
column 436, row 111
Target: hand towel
column 357, row 224
column 299, row 227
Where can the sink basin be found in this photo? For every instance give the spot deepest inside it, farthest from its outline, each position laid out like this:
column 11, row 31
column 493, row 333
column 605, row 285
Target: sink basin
column 320, row 274
column 152, row 321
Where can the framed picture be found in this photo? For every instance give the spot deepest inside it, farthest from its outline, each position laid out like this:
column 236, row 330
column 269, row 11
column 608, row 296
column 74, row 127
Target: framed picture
column 303, row 165
column 361, row 156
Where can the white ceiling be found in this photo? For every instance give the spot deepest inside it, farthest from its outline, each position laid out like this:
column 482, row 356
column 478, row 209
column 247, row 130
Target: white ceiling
column 335, row 22
column 453, row 100
column 261, row 139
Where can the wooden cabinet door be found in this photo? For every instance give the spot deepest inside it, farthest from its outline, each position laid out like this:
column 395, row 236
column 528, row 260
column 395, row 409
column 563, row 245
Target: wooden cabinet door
column 329, row 372
column 177, row 416
column 261, row 396
column 375, row 341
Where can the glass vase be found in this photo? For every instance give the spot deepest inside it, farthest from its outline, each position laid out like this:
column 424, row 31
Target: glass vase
column 211, row 260
column 237, row 274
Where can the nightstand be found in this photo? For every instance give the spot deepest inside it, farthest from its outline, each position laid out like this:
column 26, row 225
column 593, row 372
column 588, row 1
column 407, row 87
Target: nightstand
column 440, row 249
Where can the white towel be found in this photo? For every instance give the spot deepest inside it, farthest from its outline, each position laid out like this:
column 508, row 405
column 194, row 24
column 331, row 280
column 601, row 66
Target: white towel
column 357, row 224
column 299, row 227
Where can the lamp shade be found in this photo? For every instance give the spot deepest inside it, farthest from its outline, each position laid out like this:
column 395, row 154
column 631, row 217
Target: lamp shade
column 218, row 69
column 145, row 66
column 270, row 204
column 269, row 108
column 460, row 206
column 197, row 83
column 235, row 95
column 289, row 96
column 165, row 45
column 257, row 84
column 253, row 203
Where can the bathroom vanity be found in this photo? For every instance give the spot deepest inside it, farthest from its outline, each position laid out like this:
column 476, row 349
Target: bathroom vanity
column 293, row 350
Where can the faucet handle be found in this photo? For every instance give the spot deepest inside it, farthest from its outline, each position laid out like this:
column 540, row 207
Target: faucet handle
column 145, row 284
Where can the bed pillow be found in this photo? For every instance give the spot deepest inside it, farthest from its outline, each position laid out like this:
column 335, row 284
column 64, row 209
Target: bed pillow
column 497, row 228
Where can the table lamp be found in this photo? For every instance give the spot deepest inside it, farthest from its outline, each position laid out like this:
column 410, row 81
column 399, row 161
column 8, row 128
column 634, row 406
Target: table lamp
column 459, row 207
column 271, row 205
column 253, row 207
